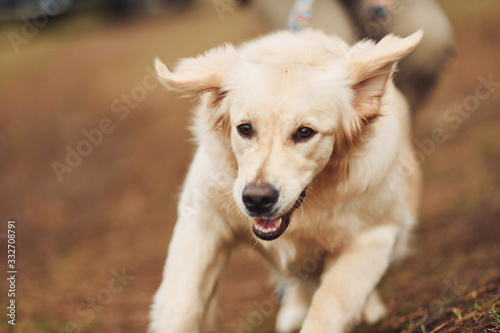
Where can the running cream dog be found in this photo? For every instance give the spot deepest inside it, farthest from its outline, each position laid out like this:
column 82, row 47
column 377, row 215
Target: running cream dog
column 291, row 119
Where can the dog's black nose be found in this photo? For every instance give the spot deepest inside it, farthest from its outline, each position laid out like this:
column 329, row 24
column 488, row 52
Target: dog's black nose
column 259, row 199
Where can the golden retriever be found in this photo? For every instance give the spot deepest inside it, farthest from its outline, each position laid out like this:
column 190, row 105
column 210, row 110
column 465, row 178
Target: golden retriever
column 293, row 120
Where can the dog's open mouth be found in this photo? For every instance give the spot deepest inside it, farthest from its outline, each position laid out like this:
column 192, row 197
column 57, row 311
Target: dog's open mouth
column 269, row 229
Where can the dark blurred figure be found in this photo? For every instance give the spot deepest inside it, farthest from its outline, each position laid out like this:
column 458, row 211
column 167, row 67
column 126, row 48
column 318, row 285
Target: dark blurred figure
column 130, row 8
column 11, row 10
column 127, row 8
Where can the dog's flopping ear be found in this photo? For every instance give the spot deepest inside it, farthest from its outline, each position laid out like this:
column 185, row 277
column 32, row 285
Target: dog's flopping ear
column 205, row 73
column 370, row 66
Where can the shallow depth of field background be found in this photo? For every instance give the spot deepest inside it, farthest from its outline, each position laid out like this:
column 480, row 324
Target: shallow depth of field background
column 113, row 211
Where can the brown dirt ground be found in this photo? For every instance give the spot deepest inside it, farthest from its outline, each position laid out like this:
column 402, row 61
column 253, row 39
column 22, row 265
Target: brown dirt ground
column 116, row 209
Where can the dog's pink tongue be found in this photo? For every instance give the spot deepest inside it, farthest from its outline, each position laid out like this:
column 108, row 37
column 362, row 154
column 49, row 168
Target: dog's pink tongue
column 269, row 229
column 266, row 223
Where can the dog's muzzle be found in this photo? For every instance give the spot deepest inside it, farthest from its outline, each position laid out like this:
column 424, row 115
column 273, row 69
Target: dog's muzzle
column 271, row 228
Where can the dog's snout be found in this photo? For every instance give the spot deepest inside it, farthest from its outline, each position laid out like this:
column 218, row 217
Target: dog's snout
column 259, row 199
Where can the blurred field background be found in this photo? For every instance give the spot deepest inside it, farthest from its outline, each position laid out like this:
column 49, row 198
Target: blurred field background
column 113, row 213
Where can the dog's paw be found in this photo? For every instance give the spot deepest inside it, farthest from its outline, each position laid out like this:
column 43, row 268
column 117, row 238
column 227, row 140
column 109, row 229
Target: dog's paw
column 290, row 318
column 374, row 309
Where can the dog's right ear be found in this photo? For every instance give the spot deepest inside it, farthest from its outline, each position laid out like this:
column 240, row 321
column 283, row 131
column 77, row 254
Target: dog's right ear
column 203, row 73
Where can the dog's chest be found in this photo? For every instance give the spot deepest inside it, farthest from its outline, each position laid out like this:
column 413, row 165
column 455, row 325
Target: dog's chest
column 302, row 258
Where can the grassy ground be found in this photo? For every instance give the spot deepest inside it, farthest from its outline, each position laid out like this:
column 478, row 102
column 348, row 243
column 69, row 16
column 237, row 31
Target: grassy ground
column 113, row 213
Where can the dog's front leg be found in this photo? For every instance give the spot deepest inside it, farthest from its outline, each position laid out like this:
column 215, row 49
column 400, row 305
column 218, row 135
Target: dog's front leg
column 195, row 259
column 348, row 281
column 197, row 253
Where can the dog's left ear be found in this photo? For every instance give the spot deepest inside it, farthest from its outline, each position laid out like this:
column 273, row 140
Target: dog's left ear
column 370, row 66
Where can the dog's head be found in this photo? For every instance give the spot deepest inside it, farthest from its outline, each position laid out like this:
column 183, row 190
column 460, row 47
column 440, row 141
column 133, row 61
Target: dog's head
column 288, row 103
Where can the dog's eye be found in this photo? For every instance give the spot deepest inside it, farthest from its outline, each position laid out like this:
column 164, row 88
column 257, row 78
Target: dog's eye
column 245, row 130
column 303, row 134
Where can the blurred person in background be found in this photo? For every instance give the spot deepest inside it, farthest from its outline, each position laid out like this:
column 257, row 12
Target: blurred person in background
column 354, row 19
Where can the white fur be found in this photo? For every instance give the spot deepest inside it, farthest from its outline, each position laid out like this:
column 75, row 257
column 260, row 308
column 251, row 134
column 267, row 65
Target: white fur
column 340, row 242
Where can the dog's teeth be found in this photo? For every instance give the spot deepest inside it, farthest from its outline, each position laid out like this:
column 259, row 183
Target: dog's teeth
column 270, row 228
